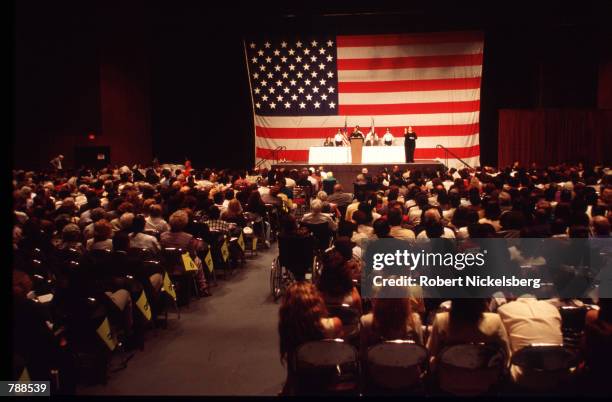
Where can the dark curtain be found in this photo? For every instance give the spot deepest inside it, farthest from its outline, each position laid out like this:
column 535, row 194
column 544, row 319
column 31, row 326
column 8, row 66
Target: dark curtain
column 552, row 136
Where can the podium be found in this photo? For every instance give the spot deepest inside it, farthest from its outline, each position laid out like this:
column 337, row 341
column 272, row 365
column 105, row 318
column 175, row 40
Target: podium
column 356, row 148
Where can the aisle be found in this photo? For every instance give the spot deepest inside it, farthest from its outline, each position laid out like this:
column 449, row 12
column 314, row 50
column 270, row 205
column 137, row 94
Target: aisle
column 226, row 344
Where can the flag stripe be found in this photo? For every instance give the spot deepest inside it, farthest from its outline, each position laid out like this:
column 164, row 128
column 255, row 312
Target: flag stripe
column 417, row 120
column 410, row 108
column 381, row 98
column 407, row 39
column 409, row 51
column 411, row 62
column 409, row 85
column 322, row 132
column 401, row 74
column 419, row 153
column 422, row 142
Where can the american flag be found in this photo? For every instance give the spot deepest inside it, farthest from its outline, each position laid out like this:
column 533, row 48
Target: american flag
column 305, row 88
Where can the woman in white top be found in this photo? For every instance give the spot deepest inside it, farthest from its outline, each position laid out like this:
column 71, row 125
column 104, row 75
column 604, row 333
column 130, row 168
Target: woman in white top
column 388, row 138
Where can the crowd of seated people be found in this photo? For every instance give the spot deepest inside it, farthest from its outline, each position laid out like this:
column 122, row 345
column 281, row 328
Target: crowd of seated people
column 565, row 201
column 63, row 218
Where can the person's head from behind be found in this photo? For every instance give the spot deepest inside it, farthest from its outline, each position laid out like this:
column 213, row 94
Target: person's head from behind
column 155, row 211
column 178, row 221
column 71, row 233
column 126, row 221
column 22, row 285
column 392, row 311
column 300, row 317
column 138, row 224
column 361, row 218
column 336, row 279
column 102, row 230
column 213, row 212
column 234, row 208
column 288, row 224
column 218, row 197
column 467, row 312
column 601, row 226
column 381, row 228
column 394, row 217
column 316, row 206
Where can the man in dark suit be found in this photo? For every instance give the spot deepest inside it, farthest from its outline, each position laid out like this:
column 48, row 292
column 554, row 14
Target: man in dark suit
column 409, row 144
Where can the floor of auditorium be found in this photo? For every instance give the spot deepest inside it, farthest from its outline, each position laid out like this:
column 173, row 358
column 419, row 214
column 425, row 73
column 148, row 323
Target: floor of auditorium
column 226, row 344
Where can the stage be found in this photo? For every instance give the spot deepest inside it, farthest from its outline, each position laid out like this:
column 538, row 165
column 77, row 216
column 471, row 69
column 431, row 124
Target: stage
column 345, row 173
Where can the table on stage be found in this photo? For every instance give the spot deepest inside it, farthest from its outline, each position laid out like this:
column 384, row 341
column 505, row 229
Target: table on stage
column 317, row 155
column 370, row 155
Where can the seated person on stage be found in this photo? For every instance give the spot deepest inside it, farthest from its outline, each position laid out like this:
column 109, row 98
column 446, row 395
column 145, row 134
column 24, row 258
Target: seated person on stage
column 357, row 133
column 328, row 142
column 371, row 138
column 388, row 138
column 339, row 139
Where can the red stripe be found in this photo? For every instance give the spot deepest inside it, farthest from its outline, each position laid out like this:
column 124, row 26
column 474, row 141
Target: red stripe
column 410, row 62
column 409, row 108
column 288, row 154
column 409, row 85
column 419, row 153
column 407, row 39
column 323, row 132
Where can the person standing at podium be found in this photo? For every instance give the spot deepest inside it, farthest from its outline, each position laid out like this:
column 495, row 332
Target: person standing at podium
column 388, row 138
column 410, row 138
column 339, row 139
column 357, row 133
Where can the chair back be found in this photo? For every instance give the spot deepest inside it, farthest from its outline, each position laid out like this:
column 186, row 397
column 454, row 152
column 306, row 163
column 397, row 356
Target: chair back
column 321, row 233
column 544, row 367
column 396, row 365
column 171, row 258
column 326, row 367
column 470, row 369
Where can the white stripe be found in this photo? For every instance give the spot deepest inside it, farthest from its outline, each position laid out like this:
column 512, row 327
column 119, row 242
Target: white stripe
column 370, row 52
column 460, row 141
column 430, row 73
column 434, row 119
column 388, row 98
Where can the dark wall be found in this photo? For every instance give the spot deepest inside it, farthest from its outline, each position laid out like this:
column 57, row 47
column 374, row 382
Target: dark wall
column 181, row 89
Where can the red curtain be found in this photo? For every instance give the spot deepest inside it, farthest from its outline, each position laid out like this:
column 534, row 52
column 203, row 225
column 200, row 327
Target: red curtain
column 552, row 136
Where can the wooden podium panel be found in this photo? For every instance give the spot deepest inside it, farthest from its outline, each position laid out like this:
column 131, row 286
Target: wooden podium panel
column 356, row 148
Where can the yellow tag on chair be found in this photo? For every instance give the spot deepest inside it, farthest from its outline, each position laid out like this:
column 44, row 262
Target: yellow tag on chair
column 241, row 242
column 208, row 260
column 225, row 251
column 143, row 305
column 105, row 333
column 188, row 263
column 168, row 286
column 254, row 246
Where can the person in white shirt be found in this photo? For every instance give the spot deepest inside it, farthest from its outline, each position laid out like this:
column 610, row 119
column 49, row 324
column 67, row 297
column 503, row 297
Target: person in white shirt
column 141, row 240
column 371, row 138
column 339, row 139
column 388, row 138
column 527, row 321
column 316, row 215
column 155, row 221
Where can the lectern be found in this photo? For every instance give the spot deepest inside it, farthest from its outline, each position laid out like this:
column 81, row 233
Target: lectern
column 356, row 147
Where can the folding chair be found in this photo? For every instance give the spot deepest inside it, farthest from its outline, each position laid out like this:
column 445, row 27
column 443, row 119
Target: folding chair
column 396, row 367
column 545, row 367
column 470, row 369
column 326, row 367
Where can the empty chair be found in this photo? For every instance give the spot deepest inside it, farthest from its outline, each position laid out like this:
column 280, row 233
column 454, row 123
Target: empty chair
column 470, row 369
column 326, row 367
column 545, row 367
column 396, row 366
